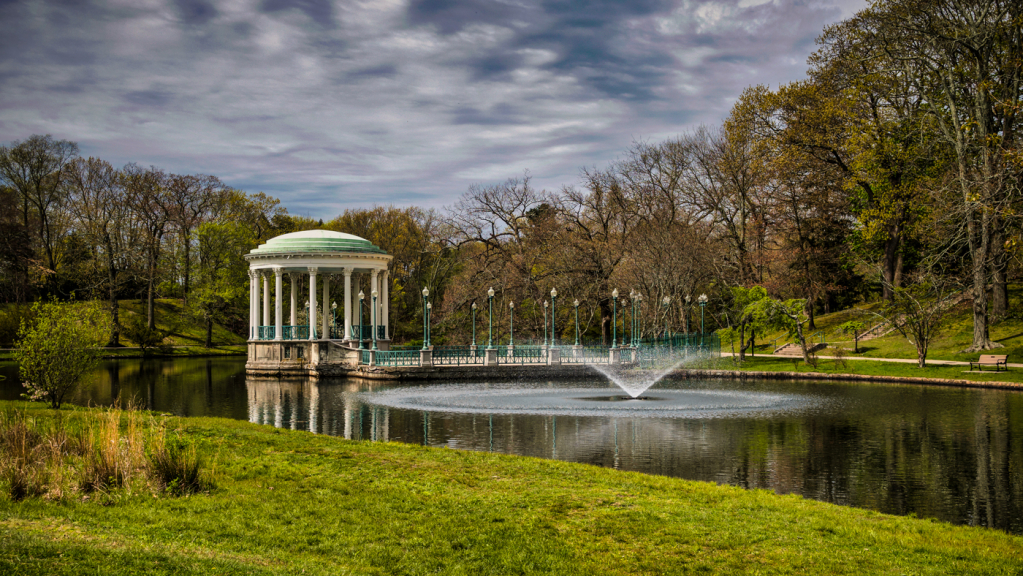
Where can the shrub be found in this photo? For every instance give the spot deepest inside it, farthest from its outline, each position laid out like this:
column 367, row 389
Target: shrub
column 179, row 468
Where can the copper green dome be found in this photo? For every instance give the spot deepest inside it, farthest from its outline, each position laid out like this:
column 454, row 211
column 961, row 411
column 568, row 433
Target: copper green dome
column 316, row 242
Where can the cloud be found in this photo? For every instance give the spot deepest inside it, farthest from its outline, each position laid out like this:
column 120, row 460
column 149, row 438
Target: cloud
column 330, row 105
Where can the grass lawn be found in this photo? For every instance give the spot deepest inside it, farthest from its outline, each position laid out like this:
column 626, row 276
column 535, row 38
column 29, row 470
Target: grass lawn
column 185, row 335
column 868, row 367
column 955, row 336
column 292, row 502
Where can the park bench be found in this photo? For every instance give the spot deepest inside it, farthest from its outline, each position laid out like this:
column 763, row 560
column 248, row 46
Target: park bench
column 995, row 360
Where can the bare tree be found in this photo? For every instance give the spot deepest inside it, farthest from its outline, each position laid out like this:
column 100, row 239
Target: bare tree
column 34, row 168
column 146, row 194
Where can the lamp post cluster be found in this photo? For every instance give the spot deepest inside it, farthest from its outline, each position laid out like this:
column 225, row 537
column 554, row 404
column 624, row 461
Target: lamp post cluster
column 635, row 329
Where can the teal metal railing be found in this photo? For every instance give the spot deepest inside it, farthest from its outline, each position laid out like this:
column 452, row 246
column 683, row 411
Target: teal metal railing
column 295, row 332
column 458, row 355
column 267, row 332
column 585, row 355
column 395, row 357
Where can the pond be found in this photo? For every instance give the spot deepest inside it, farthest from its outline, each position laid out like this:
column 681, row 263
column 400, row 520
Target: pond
column 954, row 454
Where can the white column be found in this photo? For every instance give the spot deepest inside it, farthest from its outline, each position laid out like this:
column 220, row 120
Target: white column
column 348, row 303
column 326, row 305
column 294, row 298
column 312, row 303
column 385, row 289
column 278, row 305
column 374, row 311
column 356, row 313
column 253, row 305
column 266, row 299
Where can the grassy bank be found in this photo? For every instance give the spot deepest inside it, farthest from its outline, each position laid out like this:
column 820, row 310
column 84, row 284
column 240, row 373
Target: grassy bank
column 868, row 368
column 290, row 502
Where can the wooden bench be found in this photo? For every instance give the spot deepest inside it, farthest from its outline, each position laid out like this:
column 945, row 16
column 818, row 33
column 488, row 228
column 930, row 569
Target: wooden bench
column 995, row 360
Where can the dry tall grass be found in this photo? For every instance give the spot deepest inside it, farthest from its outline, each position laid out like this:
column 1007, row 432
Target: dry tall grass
column 94, row 451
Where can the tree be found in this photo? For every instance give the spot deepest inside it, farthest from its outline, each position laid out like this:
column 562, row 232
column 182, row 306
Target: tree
column 747, row 315
column 854, row 327
column 34, row 168
column 788, row 315
column 221, row 284
column 964, row 56
column 58, row 347
column 146, row 194
column 99, row 203
column 15, row 250
column 919, row 310
column 191, row 201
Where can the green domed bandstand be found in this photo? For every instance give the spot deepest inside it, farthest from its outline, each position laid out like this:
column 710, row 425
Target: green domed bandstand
column 321, row 327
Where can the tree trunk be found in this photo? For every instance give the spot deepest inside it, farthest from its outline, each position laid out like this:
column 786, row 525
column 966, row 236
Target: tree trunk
column 187, row 267
column 209, row 333
column 999, row 274
column 115, row 318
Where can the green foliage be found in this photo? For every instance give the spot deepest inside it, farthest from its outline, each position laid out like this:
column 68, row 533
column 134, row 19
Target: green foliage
column 220, row 286
column 11, row 319
column 138, row 331
column 855, row 328
column 57, row 347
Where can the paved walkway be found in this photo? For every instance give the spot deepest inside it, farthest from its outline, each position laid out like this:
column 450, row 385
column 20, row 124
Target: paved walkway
column 898, row 360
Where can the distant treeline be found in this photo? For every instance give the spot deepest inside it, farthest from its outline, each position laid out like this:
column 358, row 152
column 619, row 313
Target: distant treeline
column 895, row 163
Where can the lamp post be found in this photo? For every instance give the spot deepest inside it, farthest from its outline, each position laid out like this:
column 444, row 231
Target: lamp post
column 333, row 319
column 688, row 309
column 554, row 315
column 429, row 312
column 373, row 320
column 576, row 303
column 666, row 301
column 307, row 312
column 703, row 304
column 426, row 294
column 473, row 323
column 623, row 322
column 490, row 340
column 545, row 304
column 511, row 324
column 639, row 319
column 362, row 296
column 614, row 318
column 632, row 319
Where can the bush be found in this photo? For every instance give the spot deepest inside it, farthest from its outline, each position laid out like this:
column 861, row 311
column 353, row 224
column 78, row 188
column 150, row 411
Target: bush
column 179, row 469
column 57, row 347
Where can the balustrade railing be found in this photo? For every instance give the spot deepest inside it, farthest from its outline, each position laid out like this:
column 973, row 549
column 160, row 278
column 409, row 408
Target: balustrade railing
column 295, row 332
column 523, row 355
column 365, row 332
column 458, row 355
column 267, row 332
column 394, row 357
column 584, row 355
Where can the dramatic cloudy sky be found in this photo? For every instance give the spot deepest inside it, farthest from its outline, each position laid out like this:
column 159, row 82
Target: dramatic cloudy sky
column 330, row 104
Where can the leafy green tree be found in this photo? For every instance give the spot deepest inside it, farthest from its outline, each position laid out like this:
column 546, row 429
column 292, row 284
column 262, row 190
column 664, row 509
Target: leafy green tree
column 854, row 327
column 919, row 310
column 748, row 317
column 58, row 347
column 221, row 286
column 788, row 315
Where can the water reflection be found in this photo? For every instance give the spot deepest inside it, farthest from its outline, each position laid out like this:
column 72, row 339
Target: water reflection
column 948, row 453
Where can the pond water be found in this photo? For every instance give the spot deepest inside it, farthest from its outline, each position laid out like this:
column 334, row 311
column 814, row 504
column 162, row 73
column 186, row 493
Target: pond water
column 953, row 454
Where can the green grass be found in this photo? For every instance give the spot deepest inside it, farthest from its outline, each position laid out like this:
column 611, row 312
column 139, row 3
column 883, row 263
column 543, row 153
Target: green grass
column 869, row 368
column 186, row 335
column 293, row 502
column 955, row 336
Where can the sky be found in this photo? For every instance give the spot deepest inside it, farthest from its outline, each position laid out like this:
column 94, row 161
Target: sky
column 330, row 105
